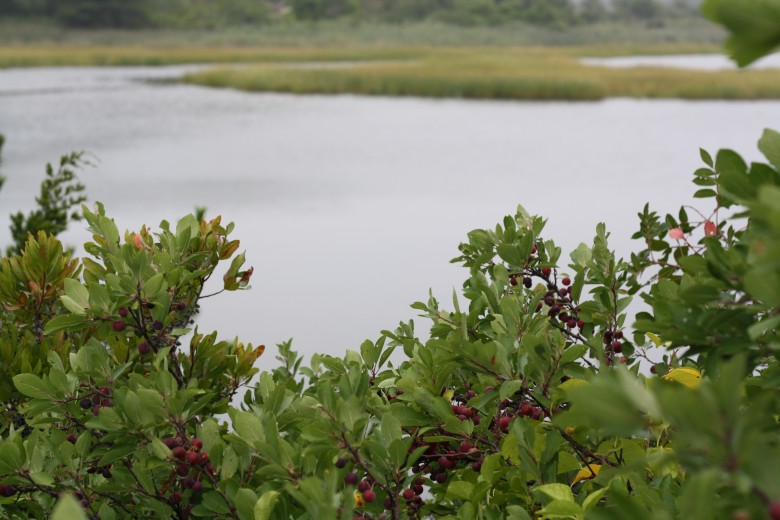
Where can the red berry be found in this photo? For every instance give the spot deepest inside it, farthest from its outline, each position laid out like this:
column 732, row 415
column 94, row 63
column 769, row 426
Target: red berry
column 204, row 458
column 503, row 423
column 363, row 485
column 447, row 463
column 418, row 489
column 563, row 292
column 123, row 312
column 96, row 409
column 581, row 324
column 774, row 510
column 182, row 470
column 196, row 444
column 175, row 497
column 170, row 442
column 617, row 347
column 546, row 271
column 465, row 447
column 526, row 409
column 72, row 438
column 369, row 495
column 571, row 323
column 513, row 280
column 441, row 478
column 566, row 281
column 528, row 282
column 144, row 348
column 340, row 463
column 197, row 486
column 653, row 370
column 181, row 306
column 476, row 465
column 408, row 495
column 193, row 458
column 188, row 481
column 619, row 334
column 351, row 478
column 118, row 325
column 179, row 452
column 85, row 403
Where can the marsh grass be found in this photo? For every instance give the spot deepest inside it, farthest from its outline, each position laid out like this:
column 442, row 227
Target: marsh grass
column 496, row 73
column 420, row 59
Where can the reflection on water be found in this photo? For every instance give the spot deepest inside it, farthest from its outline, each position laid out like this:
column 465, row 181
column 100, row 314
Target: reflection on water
column 349, row 207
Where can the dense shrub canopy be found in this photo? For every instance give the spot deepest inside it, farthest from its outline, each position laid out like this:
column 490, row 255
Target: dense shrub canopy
column 526, row 401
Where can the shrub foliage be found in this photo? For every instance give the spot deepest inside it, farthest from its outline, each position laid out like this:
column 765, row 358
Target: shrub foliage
column 526, row 400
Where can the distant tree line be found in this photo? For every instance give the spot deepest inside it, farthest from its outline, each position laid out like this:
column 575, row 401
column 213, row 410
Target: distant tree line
column 218, row 13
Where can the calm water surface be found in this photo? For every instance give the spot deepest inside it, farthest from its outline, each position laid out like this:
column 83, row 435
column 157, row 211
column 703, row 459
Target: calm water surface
column 350, row 208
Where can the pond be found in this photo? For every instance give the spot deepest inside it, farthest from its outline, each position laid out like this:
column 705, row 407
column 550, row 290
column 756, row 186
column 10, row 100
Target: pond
column 350, row 208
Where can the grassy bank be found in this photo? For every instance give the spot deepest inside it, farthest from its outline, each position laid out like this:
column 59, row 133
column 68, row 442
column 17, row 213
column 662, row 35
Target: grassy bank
column 421, row 59
column 497, row 73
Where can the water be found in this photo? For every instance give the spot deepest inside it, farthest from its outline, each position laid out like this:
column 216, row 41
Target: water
column 349, row 207
column 689, row 61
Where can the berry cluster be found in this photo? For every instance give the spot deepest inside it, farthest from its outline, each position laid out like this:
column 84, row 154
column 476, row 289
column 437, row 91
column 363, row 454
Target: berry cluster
column 145, row 325
column 557, row 299
column 614, row 346
column 98, row 399
column 191, row 464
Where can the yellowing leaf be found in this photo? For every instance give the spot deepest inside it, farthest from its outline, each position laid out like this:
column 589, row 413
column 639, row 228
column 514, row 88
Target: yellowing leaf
column 658, row 342
column 585, row 473
column 449, row 394
column 359, row 500
column 689, row 377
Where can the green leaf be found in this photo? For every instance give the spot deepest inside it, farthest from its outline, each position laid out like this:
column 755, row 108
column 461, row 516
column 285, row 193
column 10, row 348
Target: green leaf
column 769, row 144
column 561, row 509
column 460, row 489
column 511, row 254
column 706, row 157
column 265, row 505
column 245, row 501
column 213, row 501
column 71, row 305
column 32, row 386
column 582, row 255
column 556, row 492
column 592, row 500
column 509, row 388
column 76, row 292
column 65, row 322
column 68, row 508
column 118, row 452
column 754, row 26
column 42, row 478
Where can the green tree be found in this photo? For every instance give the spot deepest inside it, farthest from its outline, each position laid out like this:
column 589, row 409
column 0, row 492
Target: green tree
column 102, row 13
column 637, row 9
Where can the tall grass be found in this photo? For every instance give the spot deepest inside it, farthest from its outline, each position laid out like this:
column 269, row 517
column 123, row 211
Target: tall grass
column 496, row 73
